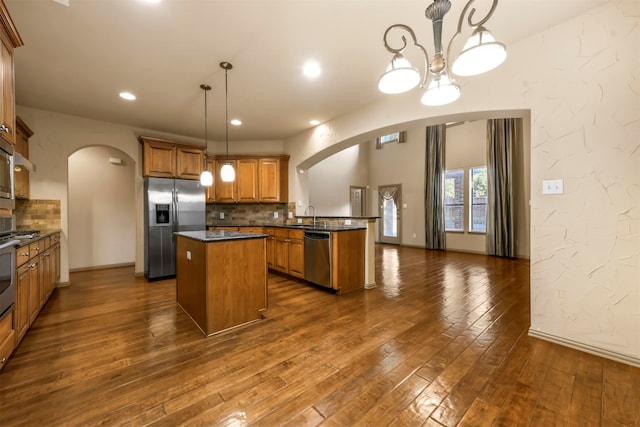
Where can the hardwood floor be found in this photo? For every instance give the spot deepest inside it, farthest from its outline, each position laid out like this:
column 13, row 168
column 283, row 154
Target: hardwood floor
column 441, row 340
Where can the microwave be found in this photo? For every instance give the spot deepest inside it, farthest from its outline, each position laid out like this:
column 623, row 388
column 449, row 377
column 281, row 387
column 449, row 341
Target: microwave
column 7, row 200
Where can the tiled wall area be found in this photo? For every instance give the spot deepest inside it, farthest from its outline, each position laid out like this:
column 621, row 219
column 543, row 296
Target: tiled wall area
column 37, row 214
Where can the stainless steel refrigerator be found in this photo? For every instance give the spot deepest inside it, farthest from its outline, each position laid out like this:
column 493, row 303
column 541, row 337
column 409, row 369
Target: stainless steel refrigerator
column 169, row 205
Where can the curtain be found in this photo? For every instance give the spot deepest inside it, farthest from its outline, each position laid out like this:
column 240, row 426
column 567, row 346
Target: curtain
column 434, row 187
column 502, row 135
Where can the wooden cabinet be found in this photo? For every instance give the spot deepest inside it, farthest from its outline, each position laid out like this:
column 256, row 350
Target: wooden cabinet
column 21, row 308
column 247, row 180
column 258, row 180
column 10, row 39
column 288, row 251
column 38, row 271
column 348, row 260
column 296, row 253
column 21, row 177
column 7, row 337
column 166, row 159
column 273, row 180
column 226, row 192
column 270, row 246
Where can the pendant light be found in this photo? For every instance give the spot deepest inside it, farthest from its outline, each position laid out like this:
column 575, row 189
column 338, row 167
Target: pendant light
column 206, row 178
column 227, row 173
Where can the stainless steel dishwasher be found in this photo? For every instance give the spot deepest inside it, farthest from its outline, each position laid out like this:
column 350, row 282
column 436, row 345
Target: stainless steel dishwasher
column 317, row 258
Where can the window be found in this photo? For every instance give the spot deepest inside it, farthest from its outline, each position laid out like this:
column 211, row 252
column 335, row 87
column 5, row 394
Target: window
column 392, row 137
column 478, row 208
column 454, row 200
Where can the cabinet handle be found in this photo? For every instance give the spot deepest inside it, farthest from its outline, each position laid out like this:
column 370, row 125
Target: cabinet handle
column 4, row 360
column 4, row 128
column 26, row 254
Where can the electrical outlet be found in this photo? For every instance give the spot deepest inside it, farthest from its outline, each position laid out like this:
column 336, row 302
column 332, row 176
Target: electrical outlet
column 290, row 215
column 299, row 220
column 275, row 215
column 414, row 235
column 189, row 255
column 347, row 222
column 221, row 215
column 552, row 186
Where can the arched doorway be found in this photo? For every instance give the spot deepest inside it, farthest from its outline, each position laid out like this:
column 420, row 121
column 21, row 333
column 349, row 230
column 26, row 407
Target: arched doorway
column 102, row 214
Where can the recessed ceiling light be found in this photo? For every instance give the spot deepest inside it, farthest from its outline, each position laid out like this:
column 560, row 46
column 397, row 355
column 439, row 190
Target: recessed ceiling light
column 152, row 1
column 128, row 96
column 314, row 122
column 311, row 69
column 235, row 122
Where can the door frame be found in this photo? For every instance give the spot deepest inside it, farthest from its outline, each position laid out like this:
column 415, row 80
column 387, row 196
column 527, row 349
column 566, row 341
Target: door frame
column 391, row 240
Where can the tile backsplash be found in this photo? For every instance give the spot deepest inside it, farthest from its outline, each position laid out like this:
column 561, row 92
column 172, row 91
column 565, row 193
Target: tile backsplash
column 37, row 214
column 248, row 214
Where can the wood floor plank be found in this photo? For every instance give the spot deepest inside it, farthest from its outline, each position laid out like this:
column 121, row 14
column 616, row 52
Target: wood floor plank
column 441, row 341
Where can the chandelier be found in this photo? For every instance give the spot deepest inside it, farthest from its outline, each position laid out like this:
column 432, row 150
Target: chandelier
column 480, row 54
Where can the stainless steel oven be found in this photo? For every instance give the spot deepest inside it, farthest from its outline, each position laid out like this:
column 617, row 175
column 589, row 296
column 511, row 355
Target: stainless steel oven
column 6, row 175
column 7, row 275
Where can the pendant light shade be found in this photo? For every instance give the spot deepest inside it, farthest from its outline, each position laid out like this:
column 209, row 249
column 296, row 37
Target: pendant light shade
column 227, row 173
column 441, row 91
column 481, row 53
column 399, row 77
column 206, row 178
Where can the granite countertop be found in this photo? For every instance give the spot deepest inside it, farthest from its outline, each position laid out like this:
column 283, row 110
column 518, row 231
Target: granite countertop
column 309, row 227
column 43, row 234
column 219, row 235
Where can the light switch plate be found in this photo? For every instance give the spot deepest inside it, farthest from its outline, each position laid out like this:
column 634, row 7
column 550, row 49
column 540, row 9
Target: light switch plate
column 552, row 186
column 290, row 215
column 275, row 215
column 221, row 215
column 347, row 222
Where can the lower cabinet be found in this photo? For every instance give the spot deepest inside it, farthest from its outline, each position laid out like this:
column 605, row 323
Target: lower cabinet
column 37, row 272
column 7, row 337
column 288, row 251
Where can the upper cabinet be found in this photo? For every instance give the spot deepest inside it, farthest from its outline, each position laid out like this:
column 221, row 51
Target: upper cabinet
column 259, row 179
column 21, row 175
column 166, row 159
column 10, row 40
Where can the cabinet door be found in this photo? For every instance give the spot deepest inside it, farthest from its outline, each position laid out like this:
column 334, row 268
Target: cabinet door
column 8, row 116
column 296, row 258
column 226, row 192
column 159, row 159
column 247, row 177
column 34, row 289
column 21, row 307
column 21, row 177
column 190, row 163
column 281, row 254
column 211, row 191
column 269, row 173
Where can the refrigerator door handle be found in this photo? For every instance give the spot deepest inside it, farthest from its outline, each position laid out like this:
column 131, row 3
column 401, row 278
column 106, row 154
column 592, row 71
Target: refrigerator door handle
column 174, row 195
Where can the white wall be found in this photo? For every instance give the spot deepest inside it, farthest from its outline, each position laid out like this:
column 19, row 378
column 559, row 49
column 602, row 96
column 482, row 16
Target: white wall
column 581, row 84
column 102, row 214
column 329, row 180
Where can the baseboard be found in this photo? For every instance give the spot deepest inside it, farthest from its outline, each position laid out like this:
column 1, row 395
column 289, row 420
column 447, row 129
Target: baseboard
column 607, row 354
column 102, row 267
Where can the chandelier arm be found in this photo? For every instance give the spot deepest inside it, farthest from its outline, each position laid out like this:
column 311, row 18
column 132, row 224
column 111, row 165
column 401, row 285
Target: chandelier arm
column 399, row 50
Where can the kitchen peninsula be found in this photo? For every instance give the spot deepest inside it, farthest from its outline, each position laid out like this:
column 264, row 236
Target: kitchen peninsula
column 221, row 278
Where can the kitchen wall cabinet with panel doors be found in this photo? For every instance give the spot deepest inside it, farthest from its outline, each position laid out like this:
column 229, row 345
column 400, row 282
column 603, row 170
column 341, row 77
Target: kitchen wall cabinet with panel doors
column 21, row 176
column 210, row 192
column 259, row 179
column 167, row 159
column 10, row 40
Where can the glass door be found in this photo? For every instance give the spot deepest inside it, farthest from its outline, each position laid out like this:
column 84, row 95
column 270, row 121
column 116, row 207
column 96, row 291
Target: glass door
column 389, row 197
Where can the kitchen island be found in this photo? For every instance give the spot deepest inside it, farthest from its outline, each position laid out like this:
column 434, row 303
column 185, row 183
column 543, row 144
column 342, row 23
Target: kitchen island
column 221, row 278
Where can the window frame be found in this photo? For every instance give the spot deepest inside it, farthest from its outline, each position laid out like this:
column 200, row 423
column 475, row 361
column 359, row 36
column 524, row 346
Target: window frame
column 472, row 204
column 461, row 205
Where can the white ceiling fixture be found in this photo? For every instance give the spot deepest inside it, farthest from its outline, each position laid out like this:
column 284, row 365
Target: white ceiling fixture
column 311, row 69
column 236, row 122
column 314, row 122
column 63, row 2
column 480, row 54
column 128, row 96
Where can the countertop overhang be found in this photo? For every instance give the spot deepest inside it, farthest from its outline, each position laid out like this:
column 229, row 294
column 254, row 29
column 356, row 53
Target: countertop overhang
column 219, row 235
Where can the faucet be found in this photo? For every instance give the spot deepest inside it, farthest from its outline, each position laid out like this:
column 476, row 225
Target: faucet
column 306, row 213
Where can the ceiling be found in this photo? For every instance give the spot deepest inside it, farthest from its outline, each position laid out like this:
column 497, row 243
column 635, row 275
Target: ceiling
column 77, row 59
